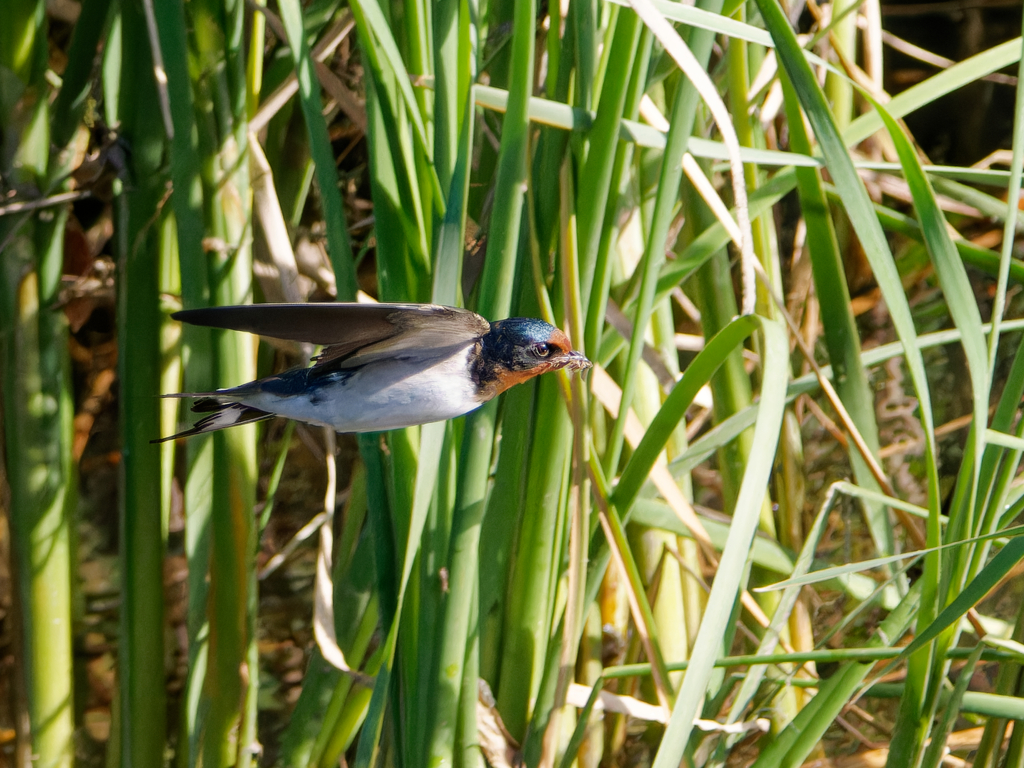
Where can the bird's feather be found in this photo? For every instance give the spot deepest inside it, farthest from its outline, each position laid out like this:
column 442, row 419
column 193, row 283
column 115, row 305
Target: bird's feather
column 222, row 416
column 353, row 333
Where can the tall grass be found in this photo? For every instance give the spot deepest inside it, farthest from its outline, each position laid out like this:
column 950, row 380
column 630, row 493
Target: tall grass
column 489, row 574
column 142, row 223
column 37, row 397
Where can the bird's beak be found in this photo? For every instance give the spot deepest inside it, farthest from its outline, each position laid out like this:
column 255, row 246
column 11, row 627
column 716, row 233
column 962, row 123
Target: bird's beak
column 575, row 361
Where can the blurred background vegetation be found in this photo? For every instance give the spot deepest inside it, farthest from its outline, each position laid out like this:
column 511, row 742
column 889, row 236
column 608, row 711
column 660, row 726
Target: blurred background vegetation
column 787, row 235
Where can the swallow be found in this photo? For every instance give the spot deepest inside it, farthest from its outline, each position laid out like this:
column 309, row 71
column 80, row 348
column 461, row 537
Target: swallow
column 382, row 366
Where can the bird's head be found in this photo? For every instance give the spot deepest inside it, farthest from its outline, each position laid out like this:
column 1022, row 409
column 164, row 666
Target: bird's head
column 519, row 348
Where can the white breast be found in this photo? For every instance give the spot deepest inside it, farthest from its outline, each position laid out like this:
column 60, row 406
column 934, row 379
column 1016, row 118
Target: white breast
column 388, row 394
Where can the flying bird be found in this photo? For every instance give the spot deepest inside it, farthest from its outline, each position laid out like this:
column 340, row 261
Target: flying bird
column 383, row 366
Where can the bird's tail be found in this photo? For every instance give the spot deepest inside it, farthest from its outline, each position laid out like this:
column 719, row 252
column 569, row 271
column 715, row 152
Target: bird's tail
column 223, row 413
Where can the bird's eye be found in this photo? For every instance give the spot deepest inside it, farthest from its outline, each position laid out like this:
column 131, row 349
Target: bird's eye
column 541, row 350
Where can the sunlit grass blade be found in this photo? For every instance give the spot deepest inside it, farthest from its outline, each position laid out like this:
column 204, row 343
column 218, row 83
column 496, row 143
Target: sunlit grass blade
column 981, row 258
column 185, row 171
column 697, row 374
column 604, row 260
column 339, row 247
column 874, row 653
column 38, row 444
column 780, row 620
column 837, row 317
column 37, row 397
column 1013, row 210
column 879, row 562
column 927, row 91
column 715, row 237
column 972, row 593
column 539, row 552
column 211, row 176
column 401, row 165
column 448, row 251
column 385, row 57
column 1007, row 680
column 559, row 115
column 958, row 293
column 933, row 756
column 72, row 99
column 451, row 55
column 495, row 298
column 603, row 137
column 329, row 700
column 745, row 521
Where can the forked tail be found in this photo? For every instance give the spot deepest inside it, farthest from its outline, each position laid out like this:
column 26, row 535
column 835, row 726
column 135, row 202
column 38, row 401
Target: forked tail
column 222, row 414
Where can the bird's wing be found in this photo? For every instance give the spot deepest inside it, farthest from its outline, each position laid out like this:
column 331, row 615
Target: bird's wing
column 353, row 333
